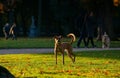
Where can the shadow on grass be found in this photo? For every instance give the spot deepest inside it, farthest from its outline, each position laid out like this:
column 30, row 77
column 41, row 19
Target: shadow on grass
column 109, row 54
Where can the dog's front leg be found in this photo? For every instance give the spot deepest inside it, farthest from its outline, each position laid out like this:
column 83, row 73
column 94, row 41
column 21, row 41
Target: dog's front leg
column 55, row 53
column 63, row 58
column 56, row 57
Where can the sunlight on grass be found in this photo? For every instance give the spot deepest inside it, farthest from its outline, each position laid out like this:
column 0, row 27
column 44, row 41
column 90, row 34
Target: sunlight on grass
column 88, row 64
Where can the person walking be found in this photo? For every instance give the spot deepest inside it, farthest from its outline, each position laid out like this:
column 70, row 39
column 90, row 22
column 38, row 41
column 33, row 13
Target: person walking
column 6, row 30
column 83, row 32
column 13, row 31
column 90, row 29
column 82, row 37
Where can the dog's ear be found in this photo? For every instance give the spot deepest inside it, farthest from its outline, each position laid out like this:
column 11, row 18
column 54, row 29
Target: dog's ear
column 55, row 36
column 60, row 36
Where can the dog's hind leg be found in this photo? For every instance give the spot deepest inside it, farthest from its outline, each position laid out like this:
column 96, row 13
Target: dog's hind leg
column 55, row 53
column 70, row 54
column 73, row 57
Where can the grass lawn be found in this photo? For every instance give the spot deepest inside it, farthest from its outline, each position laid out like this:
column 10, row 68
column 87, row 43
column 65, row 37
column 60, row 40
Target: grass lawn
column 42, row 43
column 94, row 64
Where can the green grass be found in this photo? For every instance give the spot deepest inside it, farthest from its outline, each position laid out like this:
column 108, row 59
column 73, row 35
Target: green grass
column 42, row 43
column 95, row 64
column 27, row 43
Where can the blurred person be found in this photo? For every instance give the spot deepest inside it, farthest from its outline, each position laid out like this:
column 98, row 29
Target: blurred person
column 90, row 29
column 13, row 31
column 82, row 37
column 83, row 32
column 6, row 30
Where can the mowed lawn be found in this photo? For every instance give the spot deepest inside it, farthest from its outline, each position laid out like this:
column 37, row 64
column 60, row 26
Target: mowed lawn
column 89, row 64
column 44, row 42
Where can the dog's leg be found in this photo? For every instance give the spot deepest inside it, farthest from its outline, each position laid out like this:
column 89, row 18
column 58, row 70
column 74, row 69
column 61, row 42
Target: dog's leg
column 70, row 54
column 103, row 45
column 63, row 58
column 108, row 46
column 74, row 57
column 55, row 53
column 71, row 58
column 56, row 57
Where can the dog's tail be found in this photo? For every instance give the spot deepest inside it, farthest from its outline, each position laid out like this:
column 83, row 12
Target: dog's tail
column 72, row 36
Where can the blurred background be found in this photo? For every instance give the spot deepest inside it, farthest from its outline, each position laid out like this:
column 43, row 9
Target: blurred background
column 38, row 18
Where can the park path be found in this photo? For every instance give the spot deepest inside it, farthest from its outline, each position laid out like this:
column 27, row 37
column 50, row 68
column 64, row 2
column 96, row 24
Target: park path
column 47, row 50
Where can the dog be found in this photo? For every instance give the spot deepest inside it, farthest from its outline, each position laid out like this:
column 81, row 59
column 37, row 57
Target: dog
column 105, row 41
column 64, row 46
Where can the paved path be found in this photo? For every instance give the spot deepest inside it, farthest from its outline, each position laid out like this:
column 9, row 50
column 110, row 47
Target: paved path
column 47, row 50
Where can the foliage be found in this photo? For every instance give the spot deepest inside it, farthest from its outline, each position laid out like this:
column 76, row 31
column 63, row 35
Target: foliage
column 58, row 16
column 95, row 64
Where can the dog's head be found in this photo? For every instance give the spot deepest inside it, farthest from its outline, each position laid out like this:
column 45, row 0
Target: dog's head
column 57, row 39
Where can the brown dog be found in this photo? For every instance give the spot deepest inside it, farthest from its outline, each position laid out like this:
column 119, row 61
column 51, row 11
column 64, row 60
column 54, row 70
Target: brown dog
column 64, row 46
